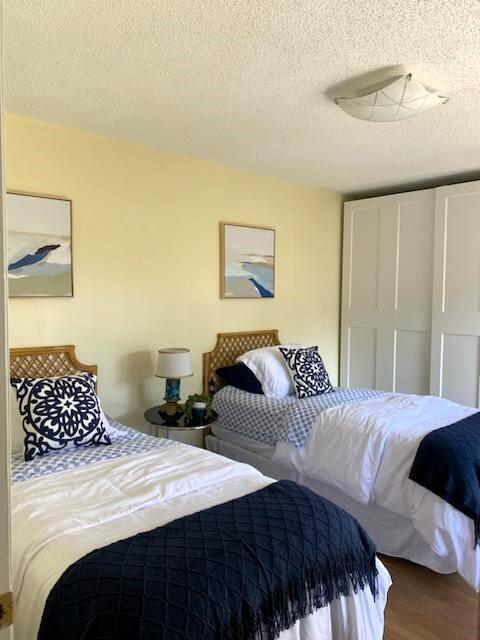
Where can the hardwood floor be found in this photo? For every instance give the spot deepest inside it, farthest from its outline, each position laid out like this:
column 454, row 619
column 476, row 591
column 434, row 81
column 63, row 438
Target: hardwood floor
column 423, row 605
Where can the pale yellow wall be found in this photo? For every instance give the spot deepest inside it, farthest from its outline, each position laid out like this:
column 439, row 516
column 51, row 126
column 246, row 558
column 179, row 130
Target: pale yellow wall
column 146, row 257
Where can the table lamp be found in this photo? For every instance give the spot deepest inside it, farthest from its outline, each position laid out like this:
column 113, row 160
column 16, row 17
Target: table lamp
column 173, row 364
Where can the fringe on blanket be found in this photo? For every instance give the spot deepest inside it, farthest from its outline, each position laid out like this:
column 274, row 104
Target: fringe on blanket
column 304, row 595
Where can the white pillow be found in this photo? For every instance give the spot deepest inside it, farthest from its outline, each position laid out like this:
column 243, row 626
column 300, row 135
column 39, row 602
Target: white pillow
column 270, row 368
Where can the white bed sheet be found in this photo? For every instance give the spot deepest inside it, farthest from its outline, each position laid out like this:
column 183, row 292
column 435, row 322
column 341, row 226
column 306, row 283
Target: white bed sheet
column 249, row 444
column 59, row 518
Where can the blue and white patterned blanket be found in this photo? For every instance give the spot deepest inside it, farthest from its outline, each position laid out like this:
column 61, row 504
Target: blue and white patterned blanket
column 270, row 420
column 128, row 442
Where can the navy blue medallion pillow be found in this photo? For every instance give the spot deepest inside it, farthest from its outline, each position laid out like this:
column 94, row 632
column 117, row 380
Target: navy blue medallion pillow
column 310, row 378
column 60, row 411
column 240, row 376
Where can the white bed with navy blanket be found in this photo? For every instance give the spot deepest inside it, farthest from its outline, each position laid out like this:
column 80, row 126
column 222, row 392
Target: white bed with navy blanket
column 67, row 503
column 355, row 447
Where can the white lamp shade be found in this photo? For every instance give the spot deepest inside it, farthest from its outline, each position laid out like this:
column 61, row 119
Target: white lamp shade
column 174, row 363
column 400, row 99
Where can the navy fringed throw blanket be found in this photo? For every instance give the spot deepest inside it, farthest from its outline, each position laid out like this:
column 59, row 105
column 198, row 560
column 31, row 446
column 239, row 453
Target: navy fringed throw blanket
column 250, row 566
column 448, row 464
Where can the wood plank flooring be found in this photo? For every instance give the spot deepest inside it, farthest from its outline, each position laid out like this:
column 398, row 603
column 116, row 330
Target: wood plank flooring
column 423, row 605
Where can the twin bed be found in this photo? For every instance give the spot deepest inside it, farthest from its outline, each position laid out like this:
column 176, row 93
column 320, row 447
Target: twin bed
column 71, row 505
column 355, row 447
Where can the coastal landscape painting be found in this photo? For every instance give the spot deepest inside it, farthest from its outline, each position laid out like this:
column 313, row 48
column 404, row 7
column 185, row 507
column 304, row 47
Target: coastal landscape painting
column 247, row 261
column 39, row 246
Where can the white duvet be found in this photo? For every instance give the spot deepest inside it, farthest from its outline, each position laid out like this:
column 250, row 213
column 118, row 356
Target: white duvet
column 366, row 449
column 59, row 518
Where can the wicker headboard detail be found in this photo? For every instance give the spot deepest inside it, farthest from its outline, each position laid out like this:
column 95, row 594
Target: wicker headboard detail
column 231, row 345
column 38, row 362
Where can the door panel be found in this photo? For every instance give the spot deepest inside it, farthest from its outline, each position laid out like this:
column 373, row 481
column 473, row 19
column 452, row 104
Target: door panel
column 365, row 240
column 462, row 230
column 415, row 256
column 363, row 356
column 387, row 292
column 412, row 363
column 455, row 361
column 460, row 354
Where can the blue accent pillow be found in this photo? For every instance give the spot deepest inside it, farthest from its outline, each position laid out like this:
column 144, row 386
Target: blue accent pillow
column 241, row 377
column 310, row 378
column 58, row 411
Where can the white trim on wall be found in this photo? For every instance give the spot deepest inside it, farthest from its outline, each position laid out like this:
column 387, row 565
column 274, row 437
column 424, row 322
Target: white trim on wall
column 5, row 542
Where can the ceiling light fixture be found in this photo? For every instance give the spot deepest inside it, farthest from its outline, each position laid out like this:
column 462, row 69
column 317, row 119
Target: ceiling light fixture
column 398, row 99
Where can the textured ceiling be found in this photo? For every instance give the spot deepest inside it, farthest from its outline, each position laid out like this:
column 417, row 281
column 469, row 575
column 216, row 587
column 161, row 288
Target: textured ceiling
column 250, row 83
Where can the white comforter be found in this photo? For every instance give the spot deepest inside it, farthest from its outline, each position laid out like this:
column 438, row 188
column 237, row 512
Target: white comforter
column 59, row 518
column 366, row 449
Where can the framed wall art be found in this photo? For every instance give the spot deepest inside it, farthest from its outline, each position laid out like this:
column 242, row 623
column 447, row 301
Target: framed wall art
column 39, row 246
column 247, row 261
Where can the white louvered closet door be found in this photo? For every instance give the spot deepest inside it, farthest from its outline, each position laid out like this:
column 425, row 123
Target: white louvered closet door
column 456, row 299
column 387, row 292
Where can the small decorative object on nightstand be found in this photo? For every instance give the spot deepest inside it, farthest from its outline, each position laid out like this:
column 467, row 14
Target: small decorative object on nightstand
column 184, row 423
column 173, row 364
column 199, row 411
column 198, row 408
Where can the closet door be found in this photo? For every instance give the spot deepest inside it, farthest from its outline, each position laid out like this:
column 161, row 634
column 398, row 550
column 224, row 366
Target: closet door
column 387, row 290
column 456, row 295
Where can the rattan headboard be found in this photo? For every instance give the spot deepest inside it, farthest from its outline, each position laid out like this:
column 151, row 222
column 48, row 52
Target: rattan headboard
column 231, row 345
column 37, row 362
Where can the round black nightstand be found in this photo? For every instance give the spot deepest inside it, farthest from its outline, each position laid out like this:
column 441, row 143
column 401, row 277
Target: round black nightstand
column 153, row 416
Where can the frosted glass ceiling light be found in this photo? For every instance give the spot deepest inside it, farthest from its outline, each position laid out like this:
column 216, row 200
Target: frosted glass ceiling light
column 399, row 99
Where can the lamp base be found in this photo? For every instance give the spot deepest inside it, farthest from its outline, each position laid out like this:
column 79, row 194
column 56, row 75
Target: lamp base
column 171, row 412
